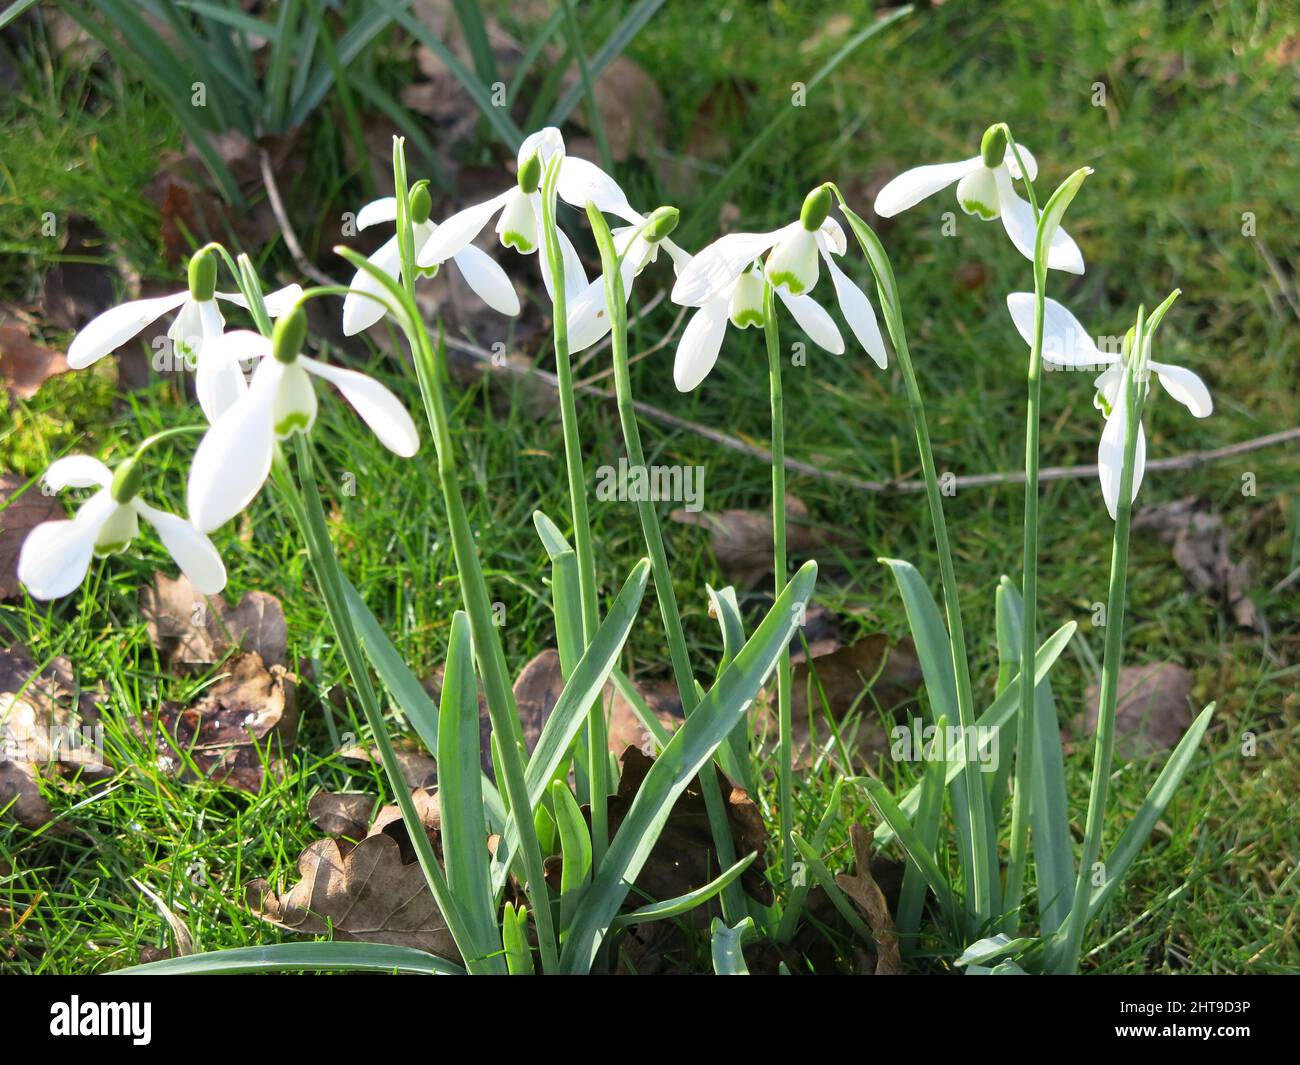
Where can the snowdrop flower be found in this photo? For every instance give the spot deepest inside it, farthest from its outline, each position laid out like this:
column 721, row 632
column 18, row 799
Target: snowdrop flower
column 518, row 210
column 986, row 189
column 480, row 270
column 638, row 246
column 198, row 322
column 725, row 283
column 234, row 457
column 56, row 554
column 1067, row 343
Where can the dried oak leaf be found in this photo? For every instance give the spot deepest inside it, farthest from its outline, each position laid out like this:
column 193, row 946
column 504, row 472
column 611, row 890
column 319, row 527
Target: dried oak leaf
column 367, row 894
column 246, row 717
column 418, row 769
column 43, row 717
column 189, row 628
column 80, row 285
column 862, row 888
column 26, row 365
column 684, row 857
column 625, row 728
column 630, row 107
column 19, row 515
column 742, row 539
column 1200, row 548
column 345, row 814
column 1153, row 708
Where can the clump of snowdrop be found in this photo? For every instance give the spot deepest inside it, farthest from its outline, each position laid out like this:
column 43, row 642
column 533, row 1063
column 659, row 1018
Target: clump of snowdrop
column 985, row 189
column 361, row 308
column 1066, row 343
column 198, row 323
column 56, row 555
column 234, row 458
column 726, row 282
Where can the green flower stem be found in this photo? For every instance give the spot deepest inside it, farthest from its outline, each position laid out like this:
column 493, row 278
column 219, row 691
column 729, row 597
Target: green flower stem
column 309, row 515
column 733, row 901
column 502, row 710
column 597, row 730
column 784, row 674
column 1020, row 812
column 1070, row 939
column 981, row 871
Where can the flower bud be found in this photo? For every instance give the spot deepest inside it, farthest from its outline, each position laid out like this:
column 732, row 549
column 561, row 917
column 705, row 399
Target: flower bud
column 993, row 148
column 289, row 335
column 530, row 174
column 127, row 479
column 662, row 221
column 203, row 275
column 421, row 203
column 816, row 206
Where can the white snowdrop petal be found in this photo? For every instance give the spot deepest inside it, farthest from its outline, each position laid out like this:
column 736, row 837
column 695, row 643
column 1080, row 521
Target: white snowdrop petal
column 913, row 186
column 295, row 406
column 546, row 142
column 588, row 316
column 277, row 303
column 859, row 313
column 581, row 182
column 459, row 230
column 378, row 407
column 1065, row 341
column 1186, row 387
column 834, row 234
column 218, row 381
column 484, row 275
column 1013, row 168
column 192, row 550
column 110, row 330
column 234, row 457
column 1110, row 457
column 1018, row 220
column 977, row 194
column 77, row 471
column 701, row 341
column 792, row 266
column 814, row 320
column 56, row 554
column 361, row 309
column 383, row 209
column 718, row 265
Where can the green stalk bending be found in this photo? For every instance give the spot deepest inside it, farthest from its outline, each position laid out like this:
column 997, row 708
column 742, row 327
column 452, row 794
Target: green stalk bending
column 784, row 676
column 981, row 872
column 733, row 902
column 1070, row 940
column 502, row 710
column 597, row 738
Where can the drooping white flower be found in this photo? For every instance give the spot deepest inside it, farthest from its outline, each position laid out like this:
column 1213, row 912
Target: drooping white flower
column 985, row 189
column 198, row 322
column 518, row 210
column 726, row 283
column 56, row 554
column 1067, row 343
column 234, row 458
column 481, row 272
column 638, row 246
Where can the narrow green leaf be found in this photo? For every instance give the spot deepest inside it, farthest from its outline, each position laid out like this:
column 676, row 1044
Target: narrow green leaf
column 292, row 957
column 799, row 890
column 690, row 748
column 615, row 45
column 1050, row 219
column 514, row 934
column 728, row 947
column 675, row 907
column 911, row 899
column 913, row 845
column 834, row 892
column 727, row 611
column 575, row 850
column 998, row 946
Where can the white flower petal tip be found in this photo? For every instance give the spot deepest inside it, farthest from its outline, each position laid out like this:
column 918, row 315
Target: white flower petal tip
column 364, row 305
column 379, row 408
column 858, row 312
column 490, row 283
column 1065, row 341
column 110, row 330
column 1186, row 387
column 192, row 550
column 792, row 265
column 76, row 471
column 461, row 228
column 913, row 186
column 717, row 266
column 697, row 351
column 56, row 555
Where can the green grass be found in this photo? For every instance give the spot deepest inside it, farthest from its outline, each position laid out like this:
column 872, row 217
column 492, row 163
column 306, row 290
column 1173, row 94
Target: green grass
column 1198, row 129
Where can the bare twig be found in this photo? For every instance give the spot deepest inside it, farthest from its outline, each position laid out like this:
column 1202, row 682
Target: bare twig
column 300, row 260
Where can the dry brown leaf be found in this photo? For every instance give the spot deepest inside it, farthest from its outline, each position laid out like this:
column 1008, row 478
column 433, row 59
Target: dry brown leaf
column 631, row 109
column 43, row 723
column 344, row 814
column 418, row 769
column 1153, row 708
column 19, row 515
column 625, row 728
column 75, row 290
column 189, row 628
column 246, row 717
column 26, row 365
column 367, row 894
column 742, row 539
column 1200, row 548
column 429, row 807
column 862, row 888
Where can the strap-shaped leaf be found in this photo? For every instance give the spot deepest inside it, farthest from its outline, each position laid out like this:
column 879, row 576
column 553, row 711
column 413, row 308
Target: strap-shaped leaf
column 292, row 957
column 690, row 748
column 728, row 947
column 575, row 850
column 675, row 907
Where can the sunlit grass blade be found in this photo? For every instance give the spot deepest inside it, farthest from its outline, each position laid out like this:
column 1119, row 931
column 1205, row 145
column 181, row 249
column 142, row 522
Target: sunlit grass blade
column 914, row 847
column 929, row 812
column 793, row 906
column 294, row 957
column 691, row 748
column 820, row 873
